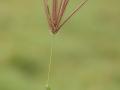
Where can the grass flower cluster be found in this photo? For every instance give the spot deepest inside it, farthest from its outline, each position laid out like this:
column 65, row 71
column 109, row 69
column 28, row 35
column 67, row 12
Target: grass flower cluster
column 55, row 14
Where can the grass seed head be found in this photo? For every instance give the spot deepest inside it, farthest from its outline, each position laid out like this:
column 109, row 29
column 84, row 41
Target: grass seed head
column 54, row 16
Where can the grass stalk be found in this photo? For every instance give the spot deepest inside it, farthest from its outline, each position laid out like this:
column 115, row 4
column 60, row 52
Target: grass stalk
column 50, row 61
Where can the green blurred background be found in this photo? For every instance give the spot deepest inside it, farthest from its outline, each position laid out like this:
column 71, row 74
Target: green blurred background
column 86, row 50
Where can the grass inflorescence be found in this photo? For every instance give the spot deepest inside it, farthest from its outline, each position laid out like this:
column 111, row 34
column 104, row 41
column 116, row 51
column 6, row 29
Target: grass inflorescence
column 55, row 14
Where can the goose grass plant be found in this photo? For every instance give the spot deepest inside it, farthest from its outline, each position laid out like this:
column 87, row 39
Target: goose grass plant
column 54, row 17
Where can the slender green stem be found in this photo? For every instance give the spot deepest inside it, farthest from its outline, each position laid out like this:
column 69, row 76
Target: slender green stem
column 50, row 61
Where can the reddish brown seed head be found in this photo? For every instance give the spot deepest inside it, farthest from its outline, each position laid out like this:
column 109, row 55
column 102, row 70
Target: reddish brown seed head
column 54, row 16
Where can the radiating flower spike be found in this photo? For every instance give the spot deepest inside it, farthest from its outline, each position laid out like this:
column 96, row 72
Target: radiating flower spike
column 47, row 12
column 54, row 17
column 74, row 11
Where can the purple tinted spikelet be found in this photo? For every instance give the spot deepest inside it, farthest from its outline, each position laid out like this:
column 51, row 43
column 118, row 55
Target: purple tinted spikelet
column 54, row 16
